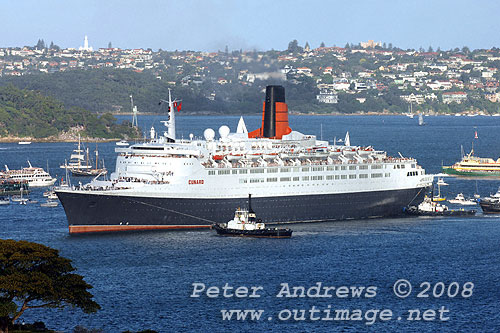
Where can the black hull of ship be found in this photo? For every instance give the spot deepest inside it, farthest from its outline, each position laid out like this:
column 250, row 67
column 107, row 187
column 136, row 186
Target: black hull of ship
column 490, row 207
column 88, row 212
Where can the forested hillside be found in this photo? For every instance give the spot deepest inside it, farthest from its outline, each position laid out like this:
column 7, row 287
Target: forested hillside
column 26, row 113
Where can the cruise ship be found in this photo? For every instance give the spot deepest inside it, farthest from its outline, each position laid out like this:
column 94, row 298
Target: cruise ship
column 168, row 183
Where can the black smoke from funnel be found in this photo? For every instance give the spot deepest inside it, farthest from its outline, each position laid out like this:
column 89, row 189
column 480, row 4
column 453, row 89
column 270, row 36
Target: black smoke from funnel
column 273, row 94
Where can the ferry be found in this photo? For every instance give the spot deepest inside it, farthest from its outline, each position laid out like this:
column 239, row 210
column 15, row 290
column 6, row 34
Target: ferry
column 35, row 177
column 474, row 166
column 168, row 183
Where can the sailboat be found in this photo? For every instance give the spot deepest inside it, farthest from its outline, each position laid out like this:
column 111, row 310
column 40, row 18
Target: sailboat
column 77, row 159
column 439, row 184
column 88, row 170
column 420, row 120
column 20, row 199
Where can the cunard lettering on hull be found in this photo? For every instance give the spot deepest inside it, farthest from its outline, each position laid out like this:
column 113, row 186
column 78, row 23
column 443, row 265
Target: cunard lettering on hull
column 292, row 177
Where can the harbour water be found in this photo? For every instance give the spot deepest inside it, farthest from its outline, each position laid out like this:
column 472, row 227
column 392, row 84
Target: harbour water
column 144, row 280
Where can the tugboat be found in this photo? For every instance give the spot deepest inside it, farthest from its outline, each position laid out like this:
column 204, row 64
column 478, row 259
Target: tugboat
column 428, row 207
column 246, row 224
column 491, row 204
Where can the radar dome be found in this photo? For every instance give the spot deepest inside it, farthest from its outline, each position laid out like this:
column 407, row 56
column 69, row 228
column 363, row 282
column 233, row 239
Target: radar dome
column 224, row 131
column 209, row 134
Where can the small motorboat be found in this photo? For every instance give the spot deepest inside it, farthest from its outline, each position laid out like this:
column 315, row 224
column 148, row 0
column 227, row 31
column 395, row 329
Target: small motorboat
column 428, row 207
column 460, row 200
column 24, row 143
column 49, row 203
column 122, row 143
column 246, row 224
column 4, row 201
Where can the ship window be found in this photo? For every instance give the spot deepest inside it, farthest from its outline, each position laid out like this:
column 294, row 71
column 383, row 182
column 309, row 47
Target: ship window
column 343, row 176
column 256, row 180
column 272, row 180
column 317, row 168
column 330, row 168
column 352, row 176
column 243, row 171
column 211, row 172
column 317, row 178
column 376, row 175
column 296, row 179
column 337, row 168
column 305, row 169
column 329, row 177
column 256, row 170
column 285, row 170
column 224, row 172
column 363, row 167
column 402, row 166
column 363, row 175
column 376, row 166
column 272, row 170
column 413, row 166
column 388, row 174
column 243, row 181
column 343, row 167
column 305, row 178
column 352, row 167
column 285, row 179
column 234, row 172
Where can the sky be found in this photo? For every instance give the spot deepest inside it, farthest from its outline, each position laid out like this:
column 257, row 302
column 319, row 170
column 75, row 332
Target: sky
column 210, row 25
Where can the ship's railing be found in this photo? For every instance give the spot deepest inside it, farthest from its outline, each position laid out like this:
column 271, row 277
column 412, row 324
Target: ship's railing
column 304, row 162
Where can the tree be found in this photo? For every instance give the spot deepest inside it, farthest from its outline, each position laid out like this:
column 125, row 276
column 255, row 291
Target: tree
column 294, row 47
column 35, row 276
column 110, row 46
column 322, row 44
column 40, row 45
column 307, row 46
column 430, row 49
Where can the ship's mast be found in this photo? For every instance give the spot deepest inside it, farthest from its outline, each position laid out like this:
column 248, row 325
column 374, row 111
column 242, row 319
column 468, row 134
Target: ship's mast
column 171, row 115
column 170, row 123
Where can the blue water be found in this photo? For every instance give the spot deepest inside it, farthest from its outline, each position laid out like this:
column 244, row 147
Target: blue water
column 144, row 280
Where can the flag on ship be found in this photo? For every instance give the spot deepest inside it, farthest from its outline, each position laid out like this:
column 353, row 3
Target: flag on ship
column 178, row 106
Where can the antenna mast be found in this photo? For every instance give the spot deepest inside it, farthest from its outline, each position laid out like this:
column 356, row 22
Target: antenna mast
column 134, row 112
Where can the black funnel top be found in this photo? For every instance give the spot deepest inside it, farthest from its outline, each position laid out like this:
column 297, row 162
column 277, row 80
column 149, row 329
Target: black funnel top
column 273, row 94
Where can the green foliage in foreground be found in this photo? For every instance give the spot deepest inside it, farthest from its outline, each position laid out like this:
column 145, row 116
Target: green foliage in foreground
column 25, row 113
column 35, row 276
